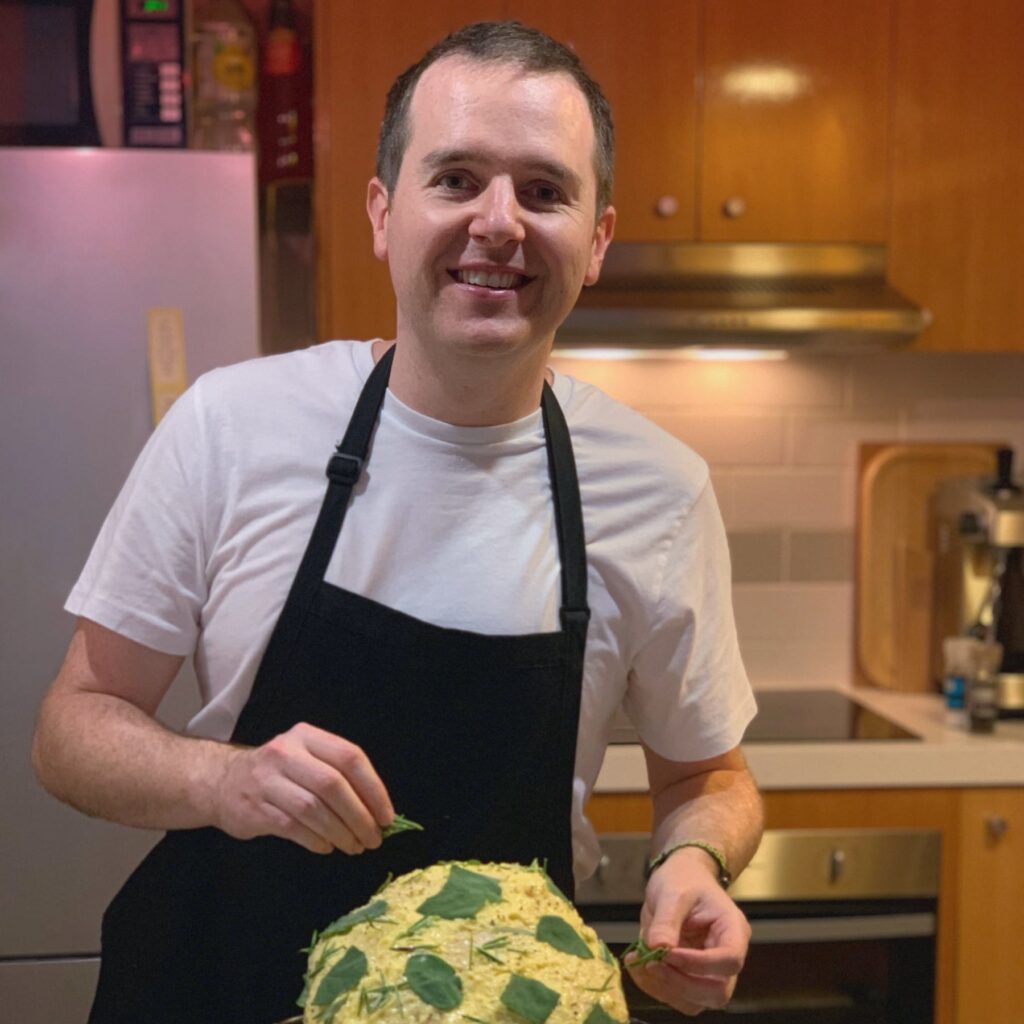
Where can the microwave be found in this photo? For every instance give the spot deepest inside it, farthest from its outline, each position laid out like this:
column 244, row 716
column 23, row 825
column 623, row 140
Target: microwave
column 93, row 73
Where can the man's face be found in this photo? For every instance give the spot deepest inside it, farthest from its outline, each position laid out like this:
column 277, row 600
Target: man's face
column 490, row 232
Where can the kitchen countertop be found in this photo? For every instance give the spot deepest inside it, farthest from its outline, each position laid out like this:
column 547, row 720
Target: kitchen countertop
column 944, row 756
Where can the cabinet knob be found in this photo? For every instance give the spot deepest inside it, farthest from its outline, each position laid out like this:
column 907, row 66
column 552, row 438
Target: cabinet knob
column 734, row 206
column 996, row 826
column 667, row 206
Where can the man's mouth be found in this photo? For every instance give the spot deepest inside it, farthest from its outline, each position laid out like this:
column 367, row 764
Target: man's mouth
column 490, row 279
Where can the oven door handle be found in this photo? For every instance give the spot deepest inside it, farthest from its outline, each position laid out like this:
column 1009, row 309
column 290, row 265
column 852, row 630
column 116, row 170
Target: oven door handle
column 806, row 929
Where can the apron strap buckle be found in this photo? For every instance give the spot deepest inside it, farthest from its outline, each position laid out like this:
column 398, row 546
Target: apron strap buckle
column 578, row 617
column 344, row 469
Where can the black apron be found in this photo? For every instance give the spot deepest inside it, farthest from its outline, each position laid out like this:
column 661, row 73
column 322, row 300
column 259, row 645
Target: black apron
column 473, row 735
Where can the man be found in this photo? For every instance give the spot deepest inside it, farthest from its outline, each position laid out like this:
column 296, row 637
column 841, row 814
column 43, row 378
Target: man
column 458, row 649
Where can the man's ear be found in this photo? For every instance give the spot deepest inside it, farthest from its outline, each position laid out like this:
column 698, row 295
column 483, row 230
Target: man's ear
column 603, row 231
column 377, row 209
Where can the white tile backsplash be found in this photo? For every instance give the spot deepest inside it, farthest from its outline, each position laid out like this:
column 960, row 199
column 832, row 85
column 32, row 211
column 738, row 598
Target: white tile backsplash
column 781, row 440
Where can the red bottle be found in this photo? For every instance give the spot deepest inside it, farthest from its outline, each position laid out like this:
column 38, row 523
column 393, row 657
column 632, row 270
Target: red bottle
column 284, row 113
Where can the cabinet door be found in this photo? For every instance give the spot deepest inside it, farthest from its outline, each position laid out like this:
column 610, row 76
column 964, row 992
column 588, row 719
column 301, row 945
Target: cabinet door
column 990, row 982
column 958, row 170
column 794, row 121
column 644, row 57
column 359, row 50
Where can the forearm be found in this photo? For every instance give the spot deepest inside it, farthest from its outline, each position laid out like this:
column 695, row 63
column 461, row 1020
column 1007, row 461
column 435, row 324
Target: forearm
column 109, row 759
column 721, row 807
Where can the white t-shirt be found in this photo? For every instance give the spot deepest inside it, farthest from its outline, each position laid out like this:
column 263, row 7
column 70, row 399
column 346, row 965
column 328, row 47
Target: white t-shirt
column 453, row 525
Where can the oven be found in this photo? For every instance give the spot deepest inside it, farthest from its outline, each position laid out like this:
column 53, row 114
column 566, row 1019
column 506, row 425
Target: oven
column 843, row 924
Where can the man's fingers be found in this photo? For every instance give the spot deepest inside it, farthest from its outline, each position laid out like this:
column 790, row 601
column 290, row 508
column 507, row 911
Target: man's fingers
column 339, row 799
column 720, row 962
column 351, row 761
column 308, row 812
column 653, row 980
column 284, row 826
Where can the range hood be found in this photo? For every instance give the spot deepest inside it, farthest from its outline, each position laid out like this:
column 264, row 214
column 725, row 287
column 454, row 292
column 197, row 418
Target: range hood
column 750, row 295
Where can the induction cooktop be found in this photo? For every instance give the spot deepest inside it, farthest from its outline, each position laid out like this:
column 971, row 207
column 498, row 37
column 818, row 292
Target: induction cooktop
column 801, row 716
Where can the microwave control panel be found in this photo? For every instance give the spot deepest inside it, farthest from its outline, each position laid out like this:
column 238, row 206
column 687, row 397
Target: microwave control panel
column 153, row 68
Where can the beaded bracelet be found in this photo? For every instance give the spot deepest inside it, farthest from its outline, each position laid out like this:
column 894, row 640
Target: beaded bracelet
column 724, row 877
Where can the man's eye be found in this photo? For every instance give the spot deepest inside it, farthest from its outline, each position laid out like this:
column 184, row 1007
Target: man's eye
column 455, row 182
column 544, row 193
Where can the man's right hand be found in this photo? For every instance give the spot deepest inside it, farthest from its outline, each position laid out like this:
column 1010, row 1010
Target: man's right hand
column 306, row 785
column 99, row 747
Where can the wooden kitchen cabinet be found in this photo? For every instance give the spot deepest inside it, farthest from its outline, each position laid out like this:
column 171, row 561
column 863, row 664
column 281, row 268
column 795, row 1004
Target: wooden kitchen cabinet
column 644, row 56
column 794, row 121
column 957, row 230
column 989, row 975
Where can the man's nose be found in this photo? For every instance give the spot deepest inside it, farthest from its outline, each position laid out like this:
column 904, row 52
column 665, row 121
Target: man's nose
column 497, row 217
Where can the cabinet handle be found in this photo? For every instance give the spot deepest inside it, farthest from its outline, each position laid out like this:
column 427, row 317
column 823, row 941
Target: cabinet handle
column 667, row 206
column 734, row 206
column 997, row 827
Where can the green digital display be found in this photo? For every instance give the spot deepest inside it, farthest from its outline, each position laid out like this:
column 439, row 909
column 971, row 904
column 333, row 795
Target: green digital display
column 155, row 6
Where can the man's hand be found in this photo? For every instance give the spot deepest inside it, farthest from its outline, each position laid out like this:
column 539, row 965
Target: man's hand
column 306, row 785
column 706, row 934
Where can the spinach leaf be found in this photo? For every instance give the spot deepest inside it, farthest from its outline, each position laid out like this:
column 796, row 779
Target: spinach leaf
column 434, row 981
column 532, row 1000
column 606, row 953
column 342, row 977
column 378, row 908
column 598, row 1016
column 557, row 932
column 462, row 895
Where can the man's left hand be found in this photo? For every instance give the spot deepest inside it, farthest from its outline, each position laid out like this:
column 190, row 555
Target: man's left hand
column 707, row 936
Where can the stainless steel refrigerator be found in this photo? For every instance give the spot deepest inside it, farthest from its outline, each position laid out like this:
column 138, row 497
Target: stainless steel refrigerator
column 91, row 241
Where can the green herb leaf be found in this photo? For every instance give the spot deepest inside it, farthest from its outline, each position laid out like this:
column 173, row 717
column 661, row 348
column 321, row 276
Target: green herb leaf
column 532, row 1000
column 598, row 1016
column 557, row 932
column 342, row 977
column 462, row 895
column 378, row 908
column 434, row 981
column 400, row 824
column 644, row 953
column 606, row 953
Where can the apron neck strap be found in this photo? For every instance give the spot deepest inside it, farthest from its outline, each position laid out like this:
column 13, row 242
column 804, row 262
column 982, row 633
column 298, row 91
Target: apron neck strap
column 346, row 465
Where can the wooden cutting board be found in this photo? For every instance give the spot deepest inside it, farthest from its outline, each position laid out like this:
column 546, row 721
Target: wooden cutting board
column 894, row 563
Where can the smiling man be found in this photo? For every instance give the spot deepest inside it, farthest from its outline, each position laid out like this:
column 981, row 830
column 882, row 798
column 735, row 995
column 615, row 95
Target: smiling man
column 498, row 558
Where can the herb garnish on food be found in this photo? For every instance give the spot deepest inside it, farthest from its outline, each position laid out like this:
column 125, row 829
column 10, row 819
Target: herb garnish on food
column 462, row 895
column 530, row 999
column 557, row 932
column 434, row 981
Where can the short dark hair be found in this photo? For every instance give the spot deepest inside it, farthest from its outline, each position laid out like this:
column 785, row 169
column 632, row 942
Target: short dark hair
column 498, row 42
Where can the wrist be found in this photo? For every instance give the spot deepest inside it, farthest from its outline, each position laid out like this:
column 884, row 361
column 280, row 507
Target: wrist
column 697, row 849
column 207, row 778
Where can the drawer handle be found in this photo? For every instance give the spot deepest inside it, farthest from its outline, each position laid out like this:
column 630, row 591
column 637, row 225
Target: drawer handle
column 997, row 827
column 836, row 865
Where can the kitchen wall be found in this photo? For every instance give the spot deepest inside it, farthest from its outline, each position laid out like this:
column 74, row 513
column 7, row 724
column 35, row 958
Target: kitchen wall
column 781, row 439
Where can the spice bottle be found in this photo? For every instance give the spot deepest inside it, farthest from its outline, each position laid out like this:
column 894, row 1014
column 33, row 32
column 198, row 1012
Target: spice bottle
column 225, row 77
column 982, row 703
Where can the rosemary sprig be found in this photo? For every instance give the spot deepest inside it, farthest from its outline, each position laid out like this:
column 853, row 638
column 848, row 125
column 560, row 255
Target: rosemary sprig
column 400, row 824
column 423, row 922
column 644, row 953
column 604, row 987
